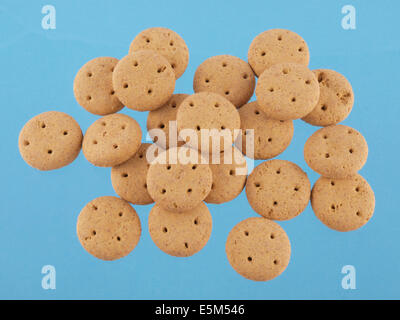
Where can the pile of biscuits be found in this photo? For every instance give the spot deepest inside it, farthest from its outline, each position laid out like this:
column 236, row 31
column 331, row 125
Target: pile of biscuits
column 175, row 171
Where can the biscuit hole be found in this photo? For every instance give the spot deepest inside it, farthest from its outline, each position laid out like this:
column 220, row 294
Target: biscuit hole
column 194, row 167
column 212, row 186
column 162, row 125
column 245, row 76
column 89, row 74
column 191, row 104
column 171, row 43
column 276, row 262
column 246, row 233
column 125, row 85
column 271, row 89
column 140, row 156
column 207, row 80
column 332, row 183
column 49, row 151
column 222, row 127
column 320, row 77
column 272, row 236
column 196, row 221
column 327, row 155
column 118, row 238
column 308, row 81
column 165, row 230
column 300, row 49
column 279, row 38
column 357, row 189
column 94, row 207
column 123, row 127
column 278, row 171
column 94, row 232
column 120, row 214
column 186, row 245
column 269, row 139
column 65, row 133
column 124, row 175
column 112, row 69
column 257, row 185
column 112, row 92
column 285, row 71
column 198, row 128
column 293, row 99
column 173, row 65
column 231, row 172
column 350, row 132
column 333, row 207
column 224, row 64
column 147, row 40
column 226, row 92
column 168, row 167
column 249, row 259
column 149, row 91
column 296, row 188
column 358, row 213
column 145, row 186
column 163, row 191
column 324, row 107
column 275, row 203
column 135, row 63
column 257, row 112
column 173, row 105
column 263, row 54
column 26, row 143
column 189, row 190
column 88, row 98
column 351, row 150
column 94, row 142
column 103, row 123
column 161, row 69
column 216, row 105
column 325, row 137
column 115, row 146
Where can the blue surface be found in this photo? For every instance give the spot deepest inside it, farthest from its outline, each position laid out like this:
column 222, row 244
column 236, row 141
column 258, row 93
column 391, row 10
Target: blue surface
column 38, row 210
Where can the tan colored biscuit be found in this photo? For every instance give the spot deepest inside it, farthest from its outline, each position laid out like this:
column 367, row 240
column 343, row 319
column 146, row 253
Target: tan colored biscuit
column 160, row 119
column 258, row 249
column 287, row 91
column 179, row 179
column 228, row 76
column 129, row 178
column 336, row 151
column 143, row 80
column 50, row 140
column 278, row 189
column 108, row 228
column 343, row 204
column 271, row 137
column 336, row 99
column 229, row 176
column 277, row 46
column 167, row 43
column 206, row 110
column 93, row 88
column 111, row 140
column 180, row 234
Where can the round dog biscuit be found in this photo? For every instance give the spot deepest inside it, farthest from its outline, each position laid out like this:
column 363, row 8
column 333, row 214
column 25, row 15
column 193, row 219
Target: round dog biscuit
column 111, row 140
column 144, row 80
column 336, row 151
column 343, row 204
column 129, row 178
column 277, row 46
column 287, row 91
column 229, row 176
column 50, row 140
column 93, row 88
column 179, row 179
column 258, row 249
column 271, row 137
column 167, row 43
column 336, row 99
column 180, row 234
column 228, row 76
column 108, row 228
column 160, row 120
column 278, row 190
column 210, row 111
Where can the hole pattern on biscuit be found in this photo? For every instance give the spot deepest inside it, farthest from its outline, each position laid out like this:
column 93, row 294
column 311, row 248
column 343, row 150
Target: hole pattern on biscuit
column 161, row 69
column 125, row 85
column 89, row 74
column 115, row 146
column 231, row 172
column 65, row 133
column 285, row 71
column 49, row 151
column 269, row 139
column 120, row 214
column 163, row 191
column 308, row 81
column 276, row 262
column 88, row 98
column 112, row 92
column 246, row 233
column 94, row 232
column 275, row 203
column 249, row 259
column 332, row 183
column 165, row 229
column 207, row 80
column 118, row 238
column 94, row 207
column 245, row 76
column 26, row 143
column 357, row 189
column 327, row 155
column 257, row 185
column 257, row 112
column 351, row 150
column 272, row 236
column 224, row 64
column 162, row 125
column 324, row 107
column 196, row 221
column 226, row 92
column 94, row 142
column 124, row 175
column 43, row 125
column 296, row 188
column 189, row 190
column 263, row 53
column 186, row 245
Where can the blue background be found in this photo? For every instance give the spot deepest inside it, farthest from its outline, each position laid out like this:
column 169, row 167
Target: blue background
column 39, row 209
